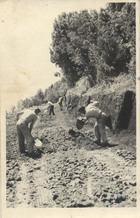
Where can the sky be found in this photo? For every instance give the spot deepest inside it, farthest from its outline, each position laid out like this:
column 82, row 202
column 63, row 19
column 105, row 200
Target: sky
column 26, row 27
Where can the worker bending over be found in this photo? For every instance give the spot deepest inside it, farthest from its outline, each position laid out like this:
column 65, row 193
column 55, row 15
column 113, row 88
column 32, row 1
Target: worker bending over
column 102, row 120
column 25, row 123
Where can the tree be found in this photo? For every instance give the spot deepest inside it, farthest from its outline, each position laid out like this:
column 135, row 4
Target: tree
column 115, row 48
column 72, row 36
column 95, row 44
column 40, row 95
column 27, row 103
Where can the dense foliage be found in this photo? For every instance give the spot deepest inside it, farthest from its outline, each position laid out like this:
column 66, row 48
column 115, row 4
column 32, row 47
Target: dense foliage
column 97, row 45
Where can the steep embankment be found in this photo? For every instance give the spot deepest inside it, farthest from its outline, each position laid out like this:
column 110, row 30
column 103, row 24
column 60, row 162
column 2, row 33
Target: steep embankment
column 116, row 97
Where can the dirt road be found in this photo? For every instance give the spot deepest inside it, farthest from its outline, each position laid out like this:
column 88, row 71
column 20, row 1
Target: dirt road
column 71, row 171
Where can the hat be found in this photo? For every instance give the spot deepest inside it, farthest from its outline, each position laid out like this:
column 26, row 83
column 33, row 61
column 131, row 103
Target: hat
column 79, row 124
column 82, row 110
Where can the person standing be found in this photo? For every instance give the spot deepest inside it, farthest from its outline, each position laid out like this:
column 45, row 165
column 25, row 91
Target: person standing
column 60, row 102
column 25, row 123
column 92, row 110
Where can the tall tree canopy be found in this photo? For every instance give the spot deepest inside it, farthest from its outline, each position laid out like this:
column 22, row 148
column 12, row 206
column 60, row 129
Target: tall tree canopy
column 95, row 44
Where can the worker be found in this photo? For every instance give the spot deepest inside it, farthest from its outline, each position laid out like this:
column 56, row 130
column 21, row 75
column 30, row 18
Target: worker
column 25, row 123
column 50, row 107
column 92, row 111
column 60, row 102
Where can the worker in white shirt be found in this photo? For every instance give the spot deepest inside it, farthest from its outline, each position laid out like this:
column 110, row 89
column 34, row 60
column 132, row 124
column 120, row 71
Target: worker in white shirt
column 25, row 123
column 50, row 107
column 60, row 102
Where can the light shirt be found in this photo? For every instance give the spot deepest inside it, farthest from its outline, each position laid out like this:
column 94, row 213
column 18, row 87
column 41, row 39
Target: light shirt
column 27, row 117
column 60, row 99
column 92, row 111
column 49, row 104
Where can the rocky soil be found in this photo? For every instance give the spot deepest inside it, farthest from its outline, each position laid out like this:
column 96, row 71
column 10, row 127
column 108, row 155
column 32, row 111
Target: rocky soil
column 71, row 170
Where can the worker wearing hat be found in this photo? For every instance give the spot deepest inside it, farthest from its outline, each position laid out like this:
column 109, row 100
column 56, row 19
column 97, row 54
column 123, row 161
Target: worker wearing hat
column 92, row 110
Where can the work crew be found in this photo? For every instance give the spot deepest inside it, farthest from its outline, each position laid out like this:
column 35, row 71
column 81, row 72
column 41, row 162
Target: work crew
column 25, row 123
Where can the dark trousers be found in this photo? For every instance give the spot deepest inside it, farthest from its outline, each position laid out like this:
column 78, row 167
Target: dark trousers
column 24, row 133
column 60, row 104
column 51, row 110
column 99, row 128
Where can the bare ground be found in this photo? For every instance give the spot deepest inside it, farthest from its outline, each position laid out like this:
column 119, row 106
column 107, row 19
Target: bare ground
column 71, row 171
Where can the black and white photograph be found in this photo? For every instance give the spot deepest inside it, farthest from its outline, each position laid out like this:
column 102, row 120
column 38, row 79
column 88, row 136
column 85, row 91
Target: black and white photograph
column 69, row 108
